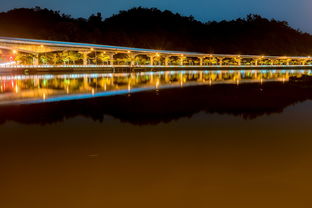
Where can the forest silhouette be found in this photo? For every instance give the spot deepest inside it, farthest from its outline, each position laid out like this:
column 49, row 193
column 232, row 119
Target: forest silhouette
column 156, row 29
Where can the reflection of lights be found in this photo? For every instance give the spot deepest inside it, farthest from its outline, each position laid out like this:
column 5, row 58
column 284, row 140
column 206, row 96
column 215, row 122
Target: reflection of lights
column 138, row 80
column 7, row 64
column 157, row 84
column 44, row 96
column 14, row 51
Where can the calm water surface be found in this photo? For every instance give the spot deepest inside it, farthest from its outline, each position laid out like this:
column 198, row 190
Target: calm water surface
column 162, row 139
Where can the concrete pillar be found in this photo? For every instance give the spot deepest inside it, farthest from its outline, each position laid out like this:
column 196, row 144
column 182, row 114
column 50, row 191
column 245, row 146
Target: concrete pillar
column 111, row 60
column 167, row 60
column 132, row 57
column 256, row 62
column 220, row 61
column 239, row 61
column 151, row 60
column 201, row 61
column 181, row 60
column 36, row 59
column 85, row 58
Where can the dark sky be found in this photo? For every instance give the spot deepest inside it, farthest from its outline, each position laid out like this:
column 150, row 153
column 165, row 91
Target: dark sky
column 296, row 12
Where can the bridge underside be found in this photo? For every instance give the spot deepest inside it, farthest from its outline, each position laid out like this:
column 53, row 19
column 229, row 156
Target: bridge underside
column 35, row 53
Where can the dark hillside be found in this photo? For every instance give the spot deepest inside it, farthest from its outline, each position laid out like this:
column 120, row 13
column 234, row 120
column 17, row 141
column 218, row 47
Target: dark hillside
column 152, row 28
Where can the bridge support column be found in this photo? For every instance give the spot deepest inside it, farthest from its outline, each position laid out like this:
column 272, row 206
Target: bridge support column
column 132, row 57
column 151, row 60
column 201, row 61
column 111, row 60
column 36, row 59
column 167, row 60
column 239, row 61
column 181, row 60
column 85, row 58
column 220, row 61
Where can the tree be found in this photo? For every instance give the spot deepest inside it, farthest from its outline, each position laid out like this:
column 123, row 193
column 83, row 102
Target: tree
column 104, row 58
column 64, row 56
column 24, row 58
column 153, row 28
column 74, row 56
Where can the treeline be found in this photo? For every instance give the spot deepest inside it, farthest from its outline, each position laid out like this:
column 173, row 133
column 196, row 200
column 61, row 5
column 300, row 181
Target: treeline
column 152, row 28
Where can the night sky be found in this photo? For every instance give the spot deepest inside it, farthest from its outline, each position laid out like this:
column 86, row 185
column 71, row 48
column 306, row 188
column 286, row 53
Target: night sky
column 296, row 12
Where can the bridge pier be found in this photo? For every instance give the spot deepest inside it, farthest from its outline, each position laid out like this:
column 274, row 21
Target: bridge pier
column 36, row 59
column 181, row 60
column 151, row 60
column 132, row 61
column 84, row 58
column 167, row 60
column 220, row 61
column 111, row 60
column 239, row 61
column 201, row 59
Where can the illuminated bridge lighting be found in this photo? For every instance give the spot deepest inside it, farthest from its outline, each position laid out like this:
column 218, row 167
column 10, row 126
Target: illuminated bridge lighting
column 37, row 55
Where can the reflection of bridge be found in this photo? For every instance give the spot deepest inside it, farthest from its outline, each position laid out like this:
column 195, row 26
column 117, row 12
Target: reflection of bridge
column 47, row 87
column 43, row 53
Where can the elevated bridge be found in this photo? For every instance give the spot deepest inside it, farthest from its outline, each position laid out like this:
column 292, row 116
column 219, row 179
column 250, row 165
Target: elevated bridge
column 25, row 53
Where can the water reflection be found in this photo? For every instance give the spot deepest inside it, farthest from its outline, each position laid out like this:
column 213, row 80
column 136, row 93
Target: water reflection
column 49, row 88
column 248, row 94
column 210, row 160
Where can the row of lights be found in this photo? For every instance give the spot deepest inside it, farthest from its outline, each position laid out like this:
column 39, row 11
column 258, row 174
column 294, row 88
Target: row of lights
column 182, row 55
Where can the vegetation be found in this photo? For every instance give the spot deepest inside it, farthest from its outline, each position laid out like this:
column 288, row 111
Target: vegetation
column 152, row 28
